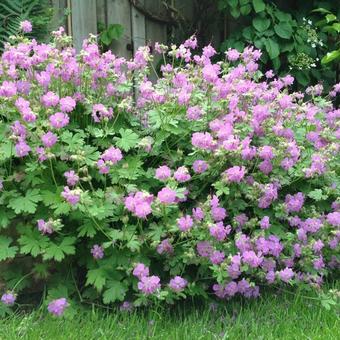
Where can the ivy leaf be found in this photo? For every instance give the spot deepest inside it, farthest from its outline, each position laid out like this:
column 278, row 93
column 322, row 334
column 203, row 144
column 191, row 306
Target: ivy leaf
column 261, row 24
column 272, row 48
column 115, row 31
column 116, row 292
column 128, row 140
column 284, row 30
column 6, row 251
column 58, row 252
column 27, row 203
column 259, row 6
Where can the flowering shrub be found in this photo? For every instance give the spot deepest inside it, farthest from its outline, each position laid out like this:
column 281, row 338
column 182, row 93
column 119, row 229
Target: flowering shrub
column 212, row 180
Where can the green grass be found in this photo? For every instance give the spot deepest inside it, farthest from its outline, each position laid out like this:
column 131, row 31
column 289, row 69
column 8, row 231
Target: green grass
column 273, row 316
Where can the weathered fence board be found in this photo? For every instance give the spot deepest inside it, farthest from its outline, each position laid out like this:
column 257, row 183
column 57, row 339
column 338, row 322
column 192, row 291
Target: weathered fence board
column 84, row 20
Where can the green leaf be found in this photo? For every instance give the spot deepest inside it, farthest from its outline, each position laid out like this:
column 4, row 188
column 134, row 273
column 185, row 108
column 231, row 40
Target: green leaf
column 259, row 6
column 97, row 278
column 330, row 56
column 6, row 251
column 88, row 229
column 116, row 292
column 128, row 139
column 272, row 48
column 27, row 203
column 115, row 31
column 261, row 24
column 302, row 78
column 32, row 242
column 245, row 10
column 317, row 195
column 105, row 39
column 58, row 251
column 284, row 30
column 330, row 18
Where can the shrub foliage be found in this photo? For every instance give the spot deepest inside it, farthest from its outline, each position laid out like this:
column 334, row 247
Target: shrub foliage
column 214, row 179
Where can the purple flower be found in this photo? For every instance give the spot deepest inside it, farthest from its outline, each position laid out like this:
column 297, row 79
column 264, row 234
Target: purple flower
column 185, row 223
column 294, row 203
column 218, row 214
column 334, row 219
column 182, row 174
column 167, row 196
column 318, row 263
column 286, row 274
column 194, row 113
column 202, row 140
column 49, row 139
column 140, row 270
column 139, row 204
column 45, row 227
column 200, row 166
column 22, row 149
column 99, row 112
column 163, row 172
column 97, row 252
column 67, row 104
column 112, row 155
column 149, row 284
column 249, row 257
column 59, row 120
column 50, row 99
column 264, row 223
column 235, row 174
column 266, row 152
column 198, row 214
column 71, row 177
column 26, row 26
column 58, row 306
column 217, row 257
column 165, row 247
column 177, row 284
column 219, row 231
column 8, row 298
column 71, row 196
column 126, row 306
column 204, row 248
column 266, row 167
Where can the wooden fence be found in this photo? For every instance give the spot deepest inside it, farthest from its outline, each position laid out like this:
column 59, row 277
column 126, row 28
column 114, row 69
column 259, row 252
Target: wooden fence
column 144, row 21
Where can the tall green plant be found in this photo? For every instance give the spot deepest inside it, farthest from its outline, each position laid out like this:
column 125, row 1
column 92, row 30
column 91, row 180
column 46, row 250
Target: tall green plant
column 12, row 12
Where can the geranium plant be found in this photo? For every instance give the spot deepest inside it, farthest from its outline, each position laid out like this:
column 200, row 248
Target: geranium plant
column 212, row 180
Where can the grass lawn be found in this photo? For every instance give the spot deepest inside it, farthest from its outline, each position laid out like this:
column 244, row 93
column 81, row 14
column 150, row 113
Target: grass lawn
column 273, row 316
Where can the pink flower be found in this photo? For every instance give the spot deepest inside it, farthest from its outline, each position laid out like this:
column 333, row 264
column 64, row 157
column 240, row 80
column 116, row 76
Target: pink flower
column 97, row 252
column 71, row 196
column 165, row 247
column 200, row 166
column 185, row 223
column 139, row 204
column 204, row 248
column 149, row 284
column 26, row 26
column 163, row 172
column 67, row 104
column 49, row 139
column 22, row 149
column 59, row 120
column 140, row 270
column 45, row 227
column 294, row 203
column 264, row 223
column 8, row 298
column 286, row 274
column 182, row 174
column 177, row 284
column 236, row 173
column 334, row 219
column 217, row 257
column 50, row 99
column 71, row 177
column 58, row 306
column 100, row 112
column 167, row 196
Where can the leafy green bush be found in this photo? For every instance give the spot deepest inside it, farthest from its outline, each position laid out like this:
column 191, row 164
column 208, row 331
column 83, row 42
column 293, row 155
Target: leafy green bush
column 290, row 42
column 212, row 180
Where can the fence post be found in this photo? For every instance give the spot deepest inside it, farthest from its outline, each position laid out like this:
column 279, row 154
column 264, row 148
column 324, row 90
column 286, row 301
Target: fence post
column 119, row 12
column 84, row 20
